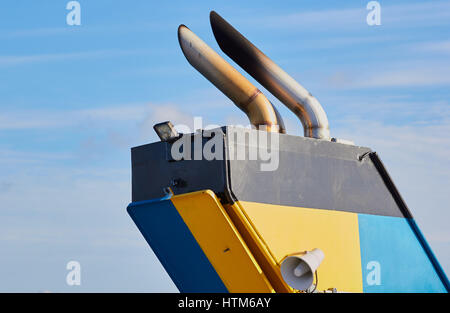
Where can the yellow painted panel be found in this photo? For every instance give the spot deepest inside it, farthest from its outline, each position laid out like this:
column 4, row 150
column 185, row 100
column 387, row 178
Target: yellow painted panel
column 286, row 230
column 221, row 242
column 258, row 247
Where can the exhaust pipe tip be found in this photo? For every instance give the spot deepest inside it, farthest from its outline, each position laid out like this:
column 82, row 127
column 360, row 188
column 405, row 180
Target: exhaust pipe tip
column 306, row 107
column 228, row 80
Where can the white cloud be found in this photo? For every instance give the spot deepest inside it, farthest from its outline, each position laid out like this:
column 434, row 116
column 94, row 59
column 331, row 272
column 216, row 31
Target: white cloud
column 52, row 214
column 135, row 26
column 435, row 46
column 10, row 156
column 412, row 77
column 405, row 15
column 425, row 13
column 397, row 75
column 12, row 60
column 40, row 119
column 49, row 31
column 317, row 19
column 131, row 112
column 182, row 120
column 146, row 115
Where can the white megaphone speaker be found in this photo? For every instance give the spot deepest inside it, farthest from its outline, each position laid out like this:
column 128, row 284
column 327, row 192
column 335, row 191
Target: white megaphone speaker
column 298, row 269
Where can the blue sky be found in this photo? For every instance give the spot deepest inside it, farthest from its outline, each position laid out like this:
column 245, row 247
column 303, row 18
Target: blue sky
column 74, row 99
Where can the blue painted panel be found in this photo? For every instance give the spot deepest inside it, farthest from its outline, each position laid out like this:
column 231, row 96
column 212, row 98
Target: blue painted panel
column 175, row 246
column 390, row 248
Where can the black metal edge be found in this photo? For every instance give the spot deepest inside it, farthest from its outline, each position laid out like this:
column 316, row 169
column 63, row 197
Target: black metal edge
column 228, row 196
column 390, row 184
column 409, row 217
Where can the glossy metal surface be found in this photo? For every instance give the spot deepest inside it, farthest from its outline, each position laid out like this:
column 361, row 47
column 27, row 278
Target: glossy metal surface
column 272, row 77
column 228, row 80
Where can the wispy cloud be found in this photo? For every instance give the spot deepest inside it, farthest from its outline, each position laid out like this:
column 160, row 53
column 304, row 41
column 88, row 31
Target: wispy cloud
column 51, row 216
column 142, row 115
column 424, row 13
column 36, row 32
column 397, row 76
column 317, row 19
column 406, row 15
column 435, row 46
column 147, row 26
column 407, row 77
column 12, row 60
column 44, row 119
column 114, row 128
column 168, row 113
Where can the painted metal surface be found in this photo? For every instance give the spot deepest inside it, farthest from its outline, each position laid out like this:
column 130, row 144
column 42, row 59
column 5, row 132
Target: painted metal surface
column 364, row 253
column 311, row 173
column 198, row 245
column 176, row 248
column 207, row 247
column 322, row 195
column 390, row 247
column 272, row 77
column 260, row 250
column 286, row 230
column 221, row 242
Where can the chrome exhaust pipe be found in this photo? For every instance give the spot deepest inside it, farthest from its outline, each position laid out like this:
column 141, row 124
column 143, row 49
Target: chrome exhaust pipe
column 227, row 79
column 272, row 77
